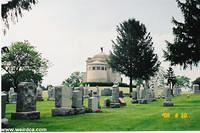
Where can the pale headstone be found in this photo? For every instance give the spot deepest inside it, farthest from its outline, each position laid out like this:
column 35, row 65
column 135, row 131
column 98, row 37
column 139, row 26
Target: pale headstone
column 39, row 93
column 51, row 93
column 93, row 104
column 175, row 91
column 12, row 96
column 148, row 95
column 63, row 97
column 86, row 92
column 98, row 96
column 142, row 95
column 168, row 97
column 26, row 102
column 115, row 94
column 77, row 99
column 196, row 88
column 115, row 97
column 64, row 102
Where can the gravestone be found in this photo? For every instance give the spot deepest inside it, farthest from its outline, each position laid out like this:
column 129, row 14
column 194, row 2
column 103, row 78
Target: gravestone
column 115, row 97
column 12, row 95
column 86, row 92
column 77, row 99
column 63, row 101
column 179, row 91
column 39, row 93
column 93, row 104
column 148, row 95
column 142, row 98
column 51, row 93
column 4, row 120
column 134, row 96
column 106, row 92
column 153, row 95
column 168, row 97
column 175, row 91
column 98, row 96
column 196, row 88
column 82, row 93
column 26, row 102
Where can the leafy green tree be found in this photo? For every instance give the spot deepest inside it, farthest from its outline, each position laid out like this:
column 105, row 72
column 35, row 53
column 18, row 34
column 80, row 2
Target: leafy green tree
column 196, row 81
column 74, row 80
column 185, row 50
column 23, row 63
column 133, row 54
column 182, row 81
column 14, row 9
column 6, row 82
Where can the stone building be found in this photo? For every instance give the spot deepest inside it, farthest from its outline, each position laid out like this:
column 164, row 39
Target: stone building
column 97, row 70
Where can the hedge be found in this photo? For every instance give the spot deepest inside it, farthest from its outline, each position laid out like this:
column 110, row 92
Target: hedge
column 93, row 84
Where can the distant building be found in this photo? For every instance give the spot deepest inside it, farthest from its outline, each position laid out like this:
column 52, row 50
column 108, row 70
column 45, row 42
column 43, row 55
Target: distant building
column 97, row 70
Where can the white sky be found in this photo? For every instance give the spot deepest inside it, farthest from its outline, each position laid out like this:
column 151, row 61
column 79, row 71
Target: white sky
column 66, row 32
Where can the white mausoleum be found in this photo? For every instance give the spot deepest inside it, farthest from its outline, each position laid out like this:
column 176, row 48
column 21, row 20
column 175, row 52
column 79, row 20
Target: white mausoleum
column 97, row 70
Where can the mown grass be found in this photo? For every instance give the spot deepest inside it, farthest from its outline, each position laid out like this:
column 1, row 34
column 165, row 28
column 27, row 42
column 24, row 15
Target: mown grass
column 133, row 117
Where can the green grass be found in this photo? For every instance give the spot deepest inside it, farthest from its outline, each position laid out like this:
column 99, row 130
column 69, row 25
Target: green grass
column 130, row 118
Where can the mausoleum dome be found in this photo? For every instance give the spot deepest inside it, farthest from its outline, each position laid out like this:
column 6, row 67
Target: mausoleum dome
column 98, row 70
column 100, row 56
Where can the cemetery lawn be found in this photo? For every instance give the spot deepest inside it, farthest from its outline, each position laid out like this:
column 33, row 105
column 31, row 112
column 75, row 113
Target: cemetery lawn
column 133, row 117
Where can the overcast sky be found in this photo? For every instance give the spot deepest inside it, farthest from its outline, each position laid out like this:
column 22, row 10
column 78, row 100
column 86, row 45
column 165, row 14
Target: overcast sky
column 66, row 32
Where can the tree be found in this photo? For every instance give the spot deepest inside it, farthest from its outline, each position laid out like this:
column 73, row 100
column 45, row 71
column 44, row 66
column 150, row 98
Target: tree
column 74, row 80
column 186, row 47
column 132, row 53
column 23, row 63
column 196, row 81
column 13, row 10
column 6, row 82
column 182, row 81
